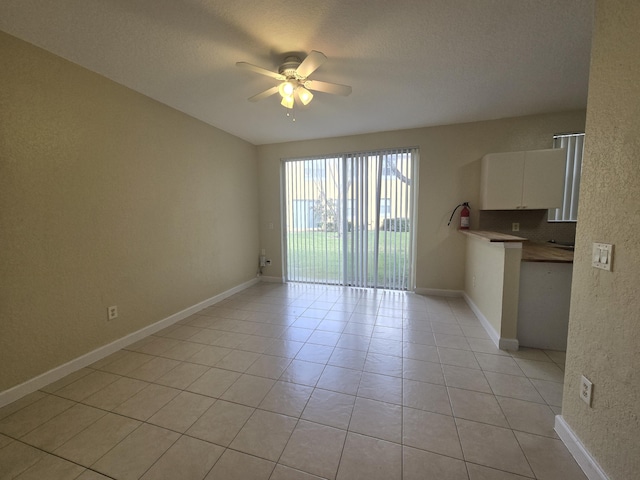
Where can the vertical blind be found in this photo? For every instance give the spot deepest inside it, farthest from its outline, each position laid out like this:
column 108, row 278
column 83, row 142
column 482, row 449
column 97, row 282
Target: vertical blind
column 350, row 218
column 574, row 144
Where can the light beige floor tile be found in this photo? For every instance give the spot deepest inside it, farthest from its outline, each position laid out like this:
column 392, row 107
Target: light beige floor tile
column 132, row 457
column 240, row 466
column 296, row 334
column 423, row 371
column 416, row 463
column 541, row 370
column 284, row 348
column 183, row 351
column 531, row 354
column 91, row 475
column 127, row 363
column 153, row 369
column 92, row 443
column 476, row 406
column 32, row 416
column 425, row 353
column 315, row 449
column 264, row 425
column 269, row 366
column 556, row 356
column 549, row 458
column 377, row 419
column 17, row 457
column 221, row 423
column 157, row 346
column 238, row 361
column 248, row 390
column 430, row 431
column 182, row 375
column 51, row 468
column 383, row 364
column 466, row 378
column 478, row 472
column 366, row 458
column 381, row 387
column 63, row 382
column 187, row 459
column 210, row 355
column 329, row 339
column 451, row 341
column 282, row 472
column 329, row 408
column 426, row 396
column 458, row 358
column 513, row 387
column 474, row 332
column 180, row 332
column 385, row 346
column 498, row 364
column 182, row 411
column 287, row 398
column 359, row 329
column 87, row 385
column 388, row 332
column 338, row 379
column 305, row 373
column 60, row 429
column 446, row 329
column 551, row 392
column 100, row 364
column 257, row 344
column 4, row 440
column 529, row 417
column 331, row 325
column 115, row 393
column 311, row 352
column 147, row 402
column 348, row 358
column 214, row 382
column 492, row 446
column 485, row 346
column 23, row 402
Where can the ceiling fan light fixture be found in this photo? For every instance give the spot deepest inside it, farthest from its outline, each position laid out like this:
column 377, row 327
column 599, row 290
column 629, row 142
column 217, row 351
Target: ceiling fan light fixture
column 287, row 88
column 287, row 101
column 304, row 95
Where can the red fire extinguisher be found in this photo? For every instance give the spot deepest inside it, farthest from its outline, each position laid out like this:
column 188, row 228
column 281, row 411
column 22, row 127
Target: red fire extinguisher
column 464, row 216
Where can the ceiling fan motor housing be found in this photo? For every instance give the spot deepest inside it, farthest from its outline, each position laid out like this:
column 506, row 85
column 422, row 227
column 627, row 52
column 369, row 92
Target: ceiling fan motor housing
column 289, row 67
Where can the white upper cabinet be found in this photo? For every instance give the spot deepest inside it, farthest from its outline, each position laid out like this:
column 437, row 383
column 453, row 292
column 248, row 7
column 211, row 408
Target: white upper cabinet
column 522, row 180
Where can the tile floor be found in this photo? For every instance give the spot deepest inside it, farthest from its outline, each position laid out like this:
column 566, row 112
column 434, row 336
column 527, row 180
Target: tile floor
column 297, row 382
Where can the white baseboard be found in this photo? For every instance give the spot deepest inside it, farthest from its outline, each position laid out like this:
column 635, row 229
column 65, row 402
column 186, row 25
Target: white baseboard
column 437, row 292
column 501, row 342
column 19, row 391
column 587, row 463
column 271, row 279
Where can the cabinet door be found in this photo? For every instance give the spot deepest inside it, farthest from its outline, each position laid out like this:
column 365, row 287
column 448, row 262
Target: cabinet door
column 501, row 181
column 543, row 185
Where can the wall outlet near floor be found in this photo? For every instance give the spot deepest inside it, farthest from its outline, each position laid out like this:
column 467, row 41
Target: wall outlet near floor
column 112, row 312
column 515, row 227
column 586, row 390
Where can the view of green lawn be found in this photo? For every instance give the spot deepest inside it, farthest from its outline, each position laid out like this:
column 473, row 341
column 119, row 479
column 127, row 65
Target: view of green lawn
column 317, row 257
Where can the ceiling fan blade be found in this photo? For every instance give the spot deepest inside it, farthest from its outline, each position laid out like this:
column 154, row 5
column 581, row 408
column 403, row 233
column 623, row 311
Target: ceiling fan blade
column 328, row 87
column 260, row 70
column 311, row 63
column 265, row 94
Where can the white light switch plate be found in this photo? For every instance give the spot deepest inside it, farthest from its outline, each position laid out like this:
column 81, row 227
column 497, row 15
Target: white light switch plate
column 602, row 256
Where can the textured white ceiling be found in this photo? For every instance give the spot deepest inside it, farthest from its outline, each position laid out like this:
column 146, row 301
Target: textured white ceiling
column 411, row 63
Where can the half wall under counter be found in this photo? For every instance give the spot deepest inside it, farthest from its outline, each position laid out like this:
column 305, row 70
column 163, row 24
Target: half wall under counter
column 492, row 283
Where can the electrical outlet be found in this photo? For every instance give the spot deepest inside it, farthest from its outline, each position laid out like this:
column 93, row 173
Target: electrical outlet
column 586, row 390
column 112, row 312
column 268, row 262
column 515, row 227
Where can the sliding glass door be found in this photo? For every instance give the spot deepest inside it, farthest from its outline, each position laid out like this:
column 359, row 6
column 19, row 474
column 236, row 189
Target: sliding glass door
column 350, row 219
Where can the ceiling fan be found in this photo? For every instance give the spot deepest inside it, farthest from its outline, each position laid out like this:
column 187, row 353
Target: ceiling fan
column 293, row 76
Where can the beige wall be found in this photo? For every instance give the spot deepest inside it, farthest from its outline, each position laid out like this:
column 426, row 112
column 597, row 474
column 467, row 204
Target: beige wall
column 449, row 174
column 108, row 198
column 604, row 325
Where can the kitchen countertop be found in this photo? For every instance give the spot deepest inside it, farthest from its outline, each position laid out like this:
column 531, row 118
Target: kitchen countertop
column 541, row 252
column 492, row 236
